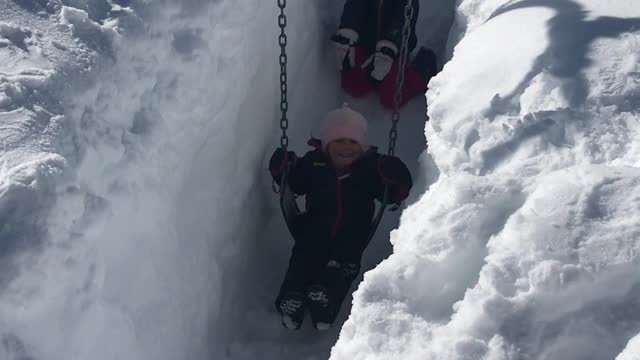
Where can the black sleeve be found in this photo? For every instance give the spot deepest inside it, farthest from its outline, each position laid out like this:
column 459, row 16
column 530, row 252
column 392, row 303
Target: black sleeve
column 391, row 171
column 299, row 178
column 353, row 14
column 393, row 22
column 278, row 162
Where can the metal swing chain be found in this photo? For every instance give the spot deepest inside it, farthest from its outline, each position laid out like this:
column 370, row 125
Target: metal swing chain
column 402, row 62
column 284, row 103
column 397, row 99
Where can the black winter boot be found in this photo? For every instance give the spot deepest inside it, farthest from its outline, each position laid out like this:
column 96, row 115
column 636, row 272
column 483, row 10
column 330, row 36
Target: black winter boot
column 319, row 307
column 426, row 63
column 292, row 309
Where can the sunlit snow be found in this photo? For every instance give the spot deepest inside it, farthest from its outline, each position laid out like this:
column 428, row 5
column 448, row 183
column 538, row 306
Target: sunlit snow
column 137, row 219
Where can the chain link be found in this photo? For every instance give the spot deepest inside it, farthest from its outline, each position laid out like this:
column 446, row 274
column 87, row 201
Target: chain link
column 284, row 104
column 402, row 63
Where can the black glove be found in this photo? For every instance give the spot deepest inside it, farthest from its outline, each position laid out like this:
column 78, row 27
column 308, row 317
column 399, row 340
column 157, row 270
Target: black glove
column 394, row 173
column 279, row 162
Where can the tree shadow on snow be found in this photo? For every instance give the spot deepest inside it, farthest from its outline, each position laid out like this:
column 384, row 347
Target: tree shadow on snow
column 571, row 34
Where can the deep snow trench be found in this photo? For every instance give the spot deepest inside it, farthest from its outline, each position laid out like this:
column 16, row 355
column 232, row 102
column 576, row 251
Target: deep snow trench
column 255, row 335
column 164, row 240
column 137, row 219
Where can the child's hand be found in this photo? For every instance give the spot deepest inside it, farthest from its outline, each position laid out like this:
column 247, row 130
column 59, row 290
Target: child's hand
column 279, row 161
column 394, row 173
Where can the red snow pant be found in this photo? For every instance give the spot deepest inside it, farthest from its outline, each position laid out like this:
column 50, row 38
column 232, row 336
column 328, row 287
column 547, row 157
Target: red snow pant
column 357, row 82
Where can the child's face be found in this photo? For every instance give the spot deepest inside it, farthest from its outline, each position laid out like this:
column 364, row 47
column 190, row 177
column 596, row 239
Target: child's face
column 343, row 152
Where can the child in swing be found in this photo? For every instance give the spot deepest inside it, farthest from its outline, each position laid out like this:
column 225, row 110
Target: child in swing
column 340, row 178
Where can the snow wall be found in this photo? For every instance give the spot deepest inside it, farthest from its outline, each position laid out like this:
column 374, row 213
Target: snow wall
column 528, row 246
column 137, row 220
column 134, row 190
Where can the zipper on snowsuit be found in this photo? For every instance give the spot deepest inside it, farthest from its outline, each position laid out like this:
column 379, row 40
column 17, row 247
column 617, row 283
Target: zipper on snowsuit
column 334, row 228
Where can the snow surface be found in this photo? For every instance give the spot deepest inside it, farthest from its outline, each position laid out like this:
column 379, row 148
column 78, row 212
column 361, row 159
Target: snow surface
column 528, row 246
column 632, row 351
column 137, row 220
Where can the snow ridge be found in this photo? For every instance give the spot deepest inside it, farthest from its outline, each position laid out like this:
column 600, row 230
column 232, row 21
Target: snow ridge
column 527, row 246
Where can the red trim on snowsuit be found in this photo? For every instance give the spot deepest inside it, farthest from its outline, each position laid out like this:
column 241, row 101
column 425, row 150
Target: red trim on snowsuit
column 283, row 165
column 414, row 85
column 315, row 143
column 357, row 83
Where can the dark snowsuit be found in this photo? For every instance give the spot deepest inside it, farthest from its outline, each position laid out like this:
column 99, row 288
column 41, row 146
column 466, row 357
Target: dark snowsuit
column 332, row 234
column 376, row 20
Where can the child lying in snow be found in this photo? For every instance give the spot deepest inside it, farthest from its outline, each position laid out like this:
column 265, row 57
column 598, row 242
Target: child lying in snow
column 340, row 178
column 368, row 44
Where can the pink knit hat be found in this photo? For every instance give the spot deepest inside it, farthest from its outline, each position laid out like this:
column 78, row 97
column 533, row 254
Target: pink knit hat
column 343, row 123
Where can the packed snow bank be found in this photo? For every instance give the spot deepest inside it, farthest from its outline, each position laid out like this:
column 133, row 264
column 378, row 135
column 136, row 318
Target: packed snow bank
column 529, row 243
column 34, row 59
column 632, row 351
